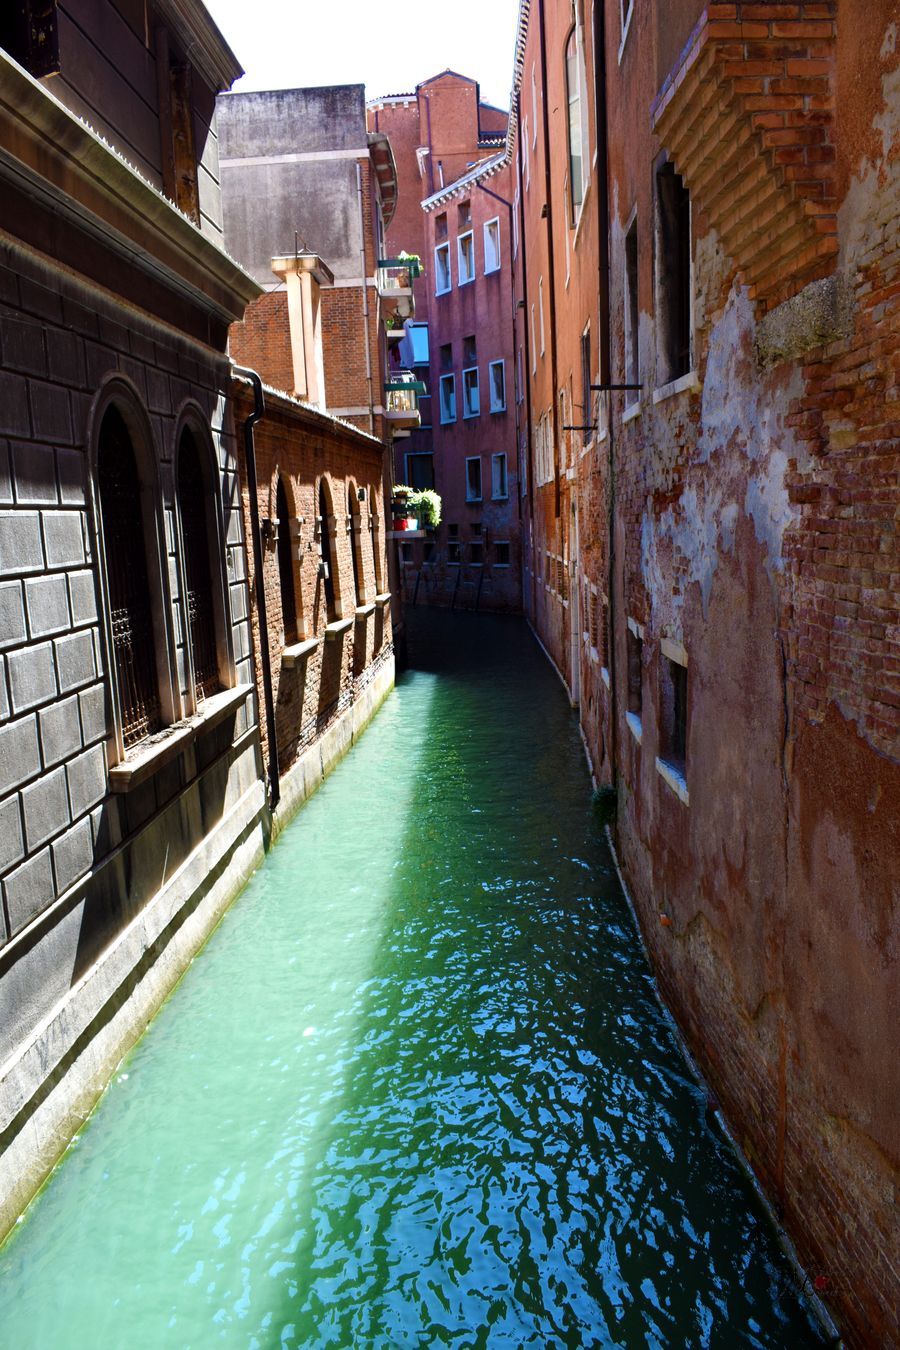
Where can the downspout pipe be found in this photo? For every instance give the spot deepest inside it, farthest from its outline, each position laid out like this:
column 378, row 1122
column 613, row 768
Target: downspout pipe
column 600, row 117
column 551, row 262
column 265, row 658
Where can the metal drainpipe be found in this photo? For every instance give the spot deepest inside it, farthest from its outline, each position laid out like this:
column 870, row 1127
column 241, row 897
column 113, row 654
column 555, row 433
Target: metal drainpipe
column 551, row 265
column 365, row 291
column 258, row 581
column 512, row 291
column 606, row 367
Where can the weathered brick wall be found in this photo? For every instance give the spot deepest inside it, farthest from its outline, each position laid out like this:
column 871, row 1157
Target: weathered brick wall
column 59, row 340
column 262, row 340
column 300, row 446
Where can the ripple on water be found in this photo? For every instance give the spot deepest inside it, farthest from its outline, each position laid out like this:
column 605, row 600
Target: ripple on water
column 416, row 1090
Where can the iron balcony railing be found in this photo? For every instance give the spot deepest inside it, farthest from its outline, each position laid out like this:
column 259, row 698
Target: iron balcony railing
column 402, row 392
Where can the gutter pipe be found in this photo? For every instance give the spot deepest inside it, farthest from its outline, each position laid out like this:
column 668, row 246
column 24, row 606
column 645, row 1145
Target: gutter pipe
column 265, row 658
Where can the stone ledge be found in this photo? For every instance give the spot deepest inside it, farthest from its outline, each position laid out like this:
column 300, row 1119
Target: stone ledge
column 298, row 652
column 363, row 611
column 337, row 629
column 674, row 779
column 635, row 727
column 383, row 599
column 689, row 383
column 143, row 764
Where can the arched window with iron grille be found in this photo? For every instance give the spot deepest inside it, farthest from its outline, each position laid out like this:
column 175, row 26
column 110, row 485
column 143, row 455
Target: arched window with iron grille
column 326, row 546
column 130, row 604
column 286, row 566
column 359, row 589
column 195, row 536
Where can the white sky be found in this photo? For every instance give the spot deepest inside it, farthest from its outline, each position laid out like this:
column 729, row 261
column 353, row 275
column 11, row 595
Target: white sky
column 284, row 44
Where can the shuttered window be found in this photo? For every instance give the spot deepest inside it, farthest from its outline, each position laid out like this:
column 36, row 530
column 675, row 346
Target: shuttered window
column 286, row 567
column 195, row 537
column 131, row 616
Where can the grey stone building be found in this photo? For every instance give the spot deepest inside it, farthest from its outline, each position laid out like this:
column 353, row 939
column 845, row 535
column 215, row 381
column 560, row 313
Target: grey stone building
column 131, row 802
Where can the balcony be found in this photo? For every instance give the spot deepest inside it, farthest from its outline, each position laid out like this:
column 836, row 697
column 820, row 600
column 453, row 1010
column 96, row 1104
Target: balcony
column 401, row 401
column 395, row 281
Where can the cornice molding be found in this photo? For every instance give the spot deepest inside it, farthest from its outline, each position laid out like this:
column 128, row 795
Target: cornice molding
column 203, row 44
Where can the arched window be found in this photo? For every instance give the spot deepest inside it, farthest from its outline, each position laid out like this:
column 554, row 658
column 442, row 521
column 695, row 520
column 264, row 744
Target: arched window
column 196, row 544
column 130, row 605
column 375, row 526
column 359, row 588
column 286, row 566
column 326, row 546
column 576, row 149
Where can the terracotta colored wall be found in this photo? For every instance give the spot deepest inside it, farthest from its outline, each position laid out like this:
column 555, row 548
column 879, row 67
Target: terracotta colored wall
column 754, row 524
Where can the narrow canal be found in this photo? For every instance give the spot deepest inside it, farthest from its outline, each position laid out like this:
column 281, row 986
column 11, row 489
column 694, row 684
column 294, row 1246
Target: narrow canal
column 416, row 1090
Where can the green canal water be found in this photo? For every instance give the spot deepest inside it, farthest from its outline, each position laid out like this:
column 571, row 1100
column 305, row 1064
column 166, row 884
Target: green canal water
column 416, row 1090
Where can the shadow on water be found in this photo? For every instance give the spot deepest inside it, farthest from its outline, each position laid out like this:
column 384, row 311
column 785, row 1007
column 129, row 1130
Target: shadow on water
column 417, row 1090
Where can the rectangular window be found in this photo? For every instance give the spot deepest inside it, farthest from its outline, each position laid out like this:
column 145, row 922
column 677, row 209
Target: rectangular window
column 448, row 398
column 541, row 307
column 420, row 470
column 520, row 379
column 445, row 354
column 497, row 371
column 527, row 172
column 501, row 555
column 440, row 226
column 515, row 224
column 634, row 652
column 533, row 345
column 465, row 245
column 499, row 484
column 473, row 479
column 464, row 214
column 673, row 275
column 587, row 409
column 417, row 335
column 632, row 369
column 470, row 350
column 471, row 394
column 453, row 545
column 442, row 281
column 492, row 246
column 406, row 553
column 673, row 716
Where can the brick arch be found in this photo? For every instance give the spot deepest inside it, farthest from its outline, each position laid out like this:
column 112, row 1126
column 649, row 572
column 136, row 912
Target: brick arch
column 355, row 533
column 329, row 554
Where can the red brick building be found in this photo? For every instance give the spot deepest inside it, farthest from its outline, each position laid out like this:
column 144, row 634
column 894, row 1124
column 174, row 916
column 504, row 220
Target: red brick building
column 710, row 208
column 448, row 146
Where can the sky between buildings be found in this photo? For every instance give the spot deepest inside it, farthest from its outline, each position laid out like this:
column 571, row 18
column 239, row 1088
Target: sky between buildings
column 284, row 44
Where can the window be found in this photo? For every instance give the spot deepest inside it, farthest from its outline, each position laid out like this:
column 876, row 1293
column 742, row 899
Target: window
column 440, row 226
column 626, row 9
column 375, row 530
column 326, row 553
column 466, row 257
column 420, row 470
column 533, row 107
column 520, row 379
column 533, row 345
column 130, row 605
column 541, row 309
column 476, row 552
column 515, row 224
column 499, row 484
column 442, row 281
column 29, row 33
column 576, row 150
column 525, row 156
column 473, row 479
column 673, row 275
column 285, row 566
column 673, row 713
column 632, row 368
column 353, row 523
column 406, row 553
column 470, row 351
column 471, row 395
column 446, row 356
column 464, row 214
column 497, row 374
column 587, row 410
column 635, row 652
column 492, row 246
column 448, row 398
column 417, row 335
column 194, row 498
column 501, row 554
column 453, row 545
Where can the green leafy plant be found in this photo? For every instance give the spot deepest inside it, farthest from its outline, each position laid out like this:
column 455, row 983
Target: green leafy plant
column 426, row 506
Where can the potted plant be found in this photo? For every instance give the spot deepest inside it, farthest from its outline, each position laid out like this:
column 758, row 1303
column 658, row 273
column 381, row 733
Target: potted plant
column 426, row 505
column 401, row 506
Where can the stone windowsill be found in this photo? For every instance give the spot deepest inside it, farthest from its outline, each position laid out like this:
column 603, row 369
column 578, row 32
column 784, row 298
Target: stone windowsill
column 383, row 599
column 689, row 383
column 604, row 675
column 335, row 630
column 298, row 651
column 632, row 411
column 675, row 780
column 634, row 726
column 363, row 611
column 147, row 760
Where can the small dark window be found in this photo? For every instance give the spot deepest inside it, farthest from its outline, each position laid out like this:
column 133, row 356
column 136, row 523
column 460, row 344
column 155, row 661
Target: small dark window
column 440, row 226
column 501, row 555
column 131, row 614
column 586, row 401
column 464, row 213
column 195, row 536
column 420, row 471
column 286, row 567
column 470, row 351
column 673, row 713
column 632, row 367
column 446, row 356
column 29, row 33
column 355, row 543
column 326, row 550
column 673, row 274
column 473, row 479
column 453, row 545
column 635, row 649
column 476, row 552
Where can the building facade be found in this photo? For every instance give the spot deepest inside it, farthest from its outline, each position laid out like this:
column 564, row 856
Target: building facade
column 708, row 268
column 130, row 794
